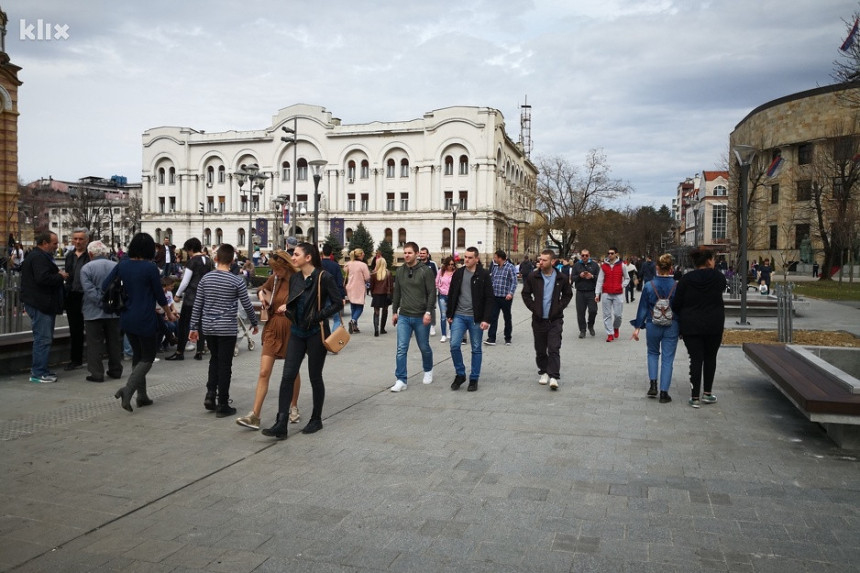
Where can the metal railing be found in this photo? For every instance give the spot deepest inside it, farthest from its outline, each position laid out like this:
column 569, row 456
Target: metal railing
column 735, row 283
column 11, row 307
column 785, row 311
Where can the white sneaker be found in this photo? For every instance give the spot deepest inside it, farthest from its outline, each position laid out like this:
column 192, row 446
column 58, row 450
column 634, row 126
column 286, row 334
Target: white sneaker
column 544, row 378
column 428, row 377
column 398, row 386
column 443, row 339
column 553, row 384
column 432, row 331
column 191, row 347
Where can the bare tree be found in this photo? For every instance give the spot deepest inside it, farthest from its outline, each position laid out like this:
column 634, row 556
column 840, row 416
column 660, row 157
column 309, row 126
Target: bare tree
column 88, row 208
column 846, row 67
column 566, row 195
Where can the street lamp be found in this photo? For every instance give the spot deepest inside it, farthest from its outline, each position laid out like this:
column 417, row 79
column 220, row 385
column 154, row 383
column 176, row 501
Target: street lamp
column 744, row 155
column 317, row 165
column 256, row 180
column 454, row 208
column 294, row 139
column 202, row 212
column 279, row 203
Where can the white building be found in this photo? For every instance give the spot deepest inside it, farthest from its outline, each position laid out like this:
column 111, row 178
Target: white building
column 401, row 179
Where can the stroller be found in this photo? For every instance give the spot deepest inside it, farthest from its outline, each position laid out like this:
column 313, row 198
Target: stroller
column 243, row 333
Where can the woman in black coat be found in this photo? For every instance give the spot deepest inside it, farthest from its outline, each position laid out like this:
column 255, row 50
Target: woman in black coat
column 699, row 305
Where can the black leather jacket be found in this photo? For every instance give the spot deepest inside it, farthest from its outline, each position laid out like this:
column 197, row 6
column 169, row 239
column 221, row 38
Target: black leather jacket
column 330, row 299
column 483, row 300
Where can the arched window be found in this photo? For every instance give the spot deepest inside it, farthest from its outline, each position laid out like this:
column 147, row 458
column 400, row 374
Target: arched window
column 389, row 168
column 222, row 174
column 161, row 175
column 464, row 165
column 720, row 190
column 401, row 238
column 210, row 175
column 449, row 165
column 207, row 237
column 389, row 236
column 158, row 237
column 172, row 175
column 461, row 238
column 168, row 234
column 219, row 236
column 299, row 232
column 446, row 238
column 285, row 171
column 302, row 166
column 241, row 238
column 350, row 171
column 365, row 169
column 404, row 167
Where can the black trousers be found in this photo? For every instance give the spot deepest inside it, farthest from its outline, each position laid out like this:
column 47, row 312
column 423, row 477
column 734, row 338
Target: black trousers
column 73, row 304
column 547, row 334
column 703, row 361
column 220, row 365
column 143, row 349
column 104, row 334
column 297, row 348
column 585, row 299
column 184, row 327
column 503, row 306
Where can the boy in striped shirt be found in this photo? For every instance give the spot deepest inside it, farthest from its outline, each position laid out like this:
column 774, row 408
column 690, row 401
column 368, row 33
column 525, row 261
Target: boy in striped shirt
column 216, row 308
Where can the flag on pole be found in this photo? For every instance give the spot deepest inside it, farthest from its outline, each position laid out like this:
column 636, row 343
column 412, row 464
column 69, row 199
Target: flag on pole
column 286, row 215
column 852, row 35
column 775, row 165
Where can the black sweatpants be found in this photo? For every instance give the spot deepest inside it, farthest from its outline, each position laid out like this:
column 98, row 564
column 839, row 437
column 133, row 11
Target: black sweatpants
column 703, row 360
column 547, row 334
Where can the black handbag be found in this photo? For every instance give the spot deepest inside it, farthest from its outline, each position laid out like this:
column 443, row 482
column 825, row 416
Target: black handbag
column 115, row 299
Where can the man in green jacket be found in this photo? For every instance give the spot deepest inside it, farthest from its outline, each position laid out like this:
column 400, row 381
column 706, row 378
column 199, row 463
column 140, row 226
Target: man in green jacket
column 412, row 308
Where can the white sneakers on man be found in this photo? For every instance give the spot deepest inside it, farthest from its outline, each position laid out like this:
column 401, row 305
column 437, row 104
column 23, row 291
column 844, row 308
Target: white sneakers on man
column 553, row 384
column 443, row 339
column 428, row 377
column 432, row 331
column 544, row 378
column 398, row 386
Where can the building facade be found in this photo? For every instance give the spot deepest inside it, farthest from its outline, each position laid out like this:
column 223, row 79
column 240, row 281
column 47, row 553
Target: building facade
column 702, row 208
column 402, row 180
column 9, row 84
column 805, row 176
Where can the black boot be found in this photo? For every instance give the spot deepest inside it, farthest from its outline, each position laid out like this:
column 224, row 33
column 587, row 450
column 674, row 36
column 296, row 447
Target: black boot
column 125, row 395
column 652, row 390
column 209, row 401
column 143, row 399
column 383, row 320
column 279, row 430
column 314, row 425
column 375, row 324
column 351, row 327
column 225, row 409
column 664, row 397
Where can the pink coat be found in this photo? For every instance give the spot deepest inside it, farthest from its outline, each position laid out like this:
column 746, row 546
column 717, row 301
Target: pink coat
column 357, row 276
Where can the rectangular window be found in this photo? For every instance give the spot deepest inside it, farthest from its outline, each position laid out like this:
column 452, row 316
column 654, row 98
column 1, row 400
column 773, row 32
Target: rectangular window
column 65, row 211
column 173, row 204
column 800, row 232
column 161, row 204
column 365, row 202
column 389, row 202
column 243, row 204
column 718, row 222
column 804, row 154
column 404, row 201
column 210, row 204
column 773, row 233
column 222, row 203
column 53, row 211
column 844, row 149
column 464, row 200
column 804, row 190
column 301, row 204
column 350, row 202
column 774, row 194
column 449, row 200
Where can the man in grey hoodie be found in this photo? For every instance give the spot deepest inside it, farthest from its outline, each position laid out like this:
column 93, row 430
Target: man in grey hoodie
column 102, row 329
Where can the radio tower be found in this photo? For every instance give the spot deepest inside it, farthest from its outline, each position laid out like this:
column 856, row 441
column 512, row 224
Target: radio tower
column 526, row 127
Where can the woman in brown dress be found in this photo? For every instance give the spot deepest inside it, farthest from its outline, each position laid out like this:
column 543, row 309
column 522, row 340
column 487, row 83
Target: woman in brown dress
column 276, row 335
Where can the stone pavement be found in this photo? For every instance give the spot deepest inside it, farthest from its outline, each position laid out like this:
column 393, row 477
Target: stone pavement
column 514, row 477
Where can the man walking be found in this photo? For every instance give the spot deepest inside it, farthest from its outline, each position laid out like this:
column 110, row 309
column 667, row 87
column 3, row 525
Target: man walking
column 424, row 257
column 585, row 272
column 42, row 295
column 412, row 306
column 470, row 307
column 610, row 287
column 75, row 261
column 547, row 293
column 330, row 265
column 103, row 330
column 504, row 277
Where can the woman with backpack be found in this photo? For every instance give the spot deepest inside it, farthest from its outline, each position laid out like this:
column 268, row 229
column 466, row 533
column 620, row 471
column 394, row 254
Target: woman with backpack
column 661, row 328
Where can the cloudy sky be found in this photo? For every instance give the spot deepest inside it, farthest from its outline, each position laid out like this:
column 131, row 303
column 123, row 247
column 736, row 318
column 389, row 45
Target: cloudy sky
column 658, row 84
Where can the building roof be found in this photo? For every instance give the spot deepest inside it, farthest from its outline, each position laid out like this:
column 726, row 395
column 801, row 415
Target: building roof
column 713, row 175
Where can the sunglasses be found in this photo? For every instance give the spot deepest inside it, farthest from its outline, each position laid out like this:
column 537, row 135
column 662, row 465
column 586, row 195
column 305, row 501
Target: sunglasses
column 611, row 253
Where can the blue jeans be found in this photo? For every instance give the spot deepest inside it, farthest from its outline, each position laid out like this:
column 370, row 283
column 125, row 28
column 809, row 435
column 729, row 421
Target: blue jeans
column 459, row 326
column 443, row 312
column 356, row 309
column 665, row 338
column 406, row 325
column 43, row 337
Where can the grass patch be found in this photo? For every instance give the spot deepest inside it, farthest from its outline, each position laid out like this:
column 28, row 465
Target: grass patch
column 829, row 290
column 261, row 271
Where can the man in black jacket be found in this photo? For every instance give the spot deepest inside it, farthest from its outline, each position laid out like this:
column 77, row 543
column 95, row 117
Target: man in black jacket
column 42, row 295
column 547, row 293
column 470, row 307
column 76, row 258
column 585, row 273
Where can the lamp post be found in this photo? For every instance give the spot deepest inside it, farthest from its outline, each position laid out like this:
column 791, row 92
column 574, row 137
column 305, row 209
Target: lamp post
column 256, row 180
column 454, row 208
column 294, row 139
column 317, row 165
column 202, row 212
column 744, row 155
column 279, row 203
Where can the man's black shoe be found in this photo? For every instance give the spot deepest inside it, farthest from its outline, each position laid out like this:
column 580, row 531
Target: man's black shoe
column 473, row 386
column 224, row 410
column 209, row 401
column 591, row 330
column 94, row 379
column 458, row 381
column 176, row 356
column 73, row 366
column 582, row 334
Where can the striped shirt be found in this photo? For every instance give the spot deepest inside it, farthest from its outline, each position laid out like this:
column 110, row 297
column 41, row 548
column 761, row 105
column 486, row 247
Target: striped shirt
column 504, row 279
column 218, row 294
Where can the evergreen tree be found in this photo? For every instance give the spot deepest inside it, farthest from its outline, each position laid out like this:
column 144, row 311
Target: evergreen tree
column 361, row 239
column 336, row 247
column 387, row 252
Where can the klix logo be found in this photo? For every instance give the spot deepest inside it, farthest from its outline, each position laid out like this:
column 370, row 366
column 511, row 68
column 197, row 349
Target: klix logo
column 42, row 30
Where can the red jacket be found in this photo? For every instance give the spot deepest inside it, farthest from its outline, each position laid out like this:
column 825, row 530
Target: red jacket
column 613, row 277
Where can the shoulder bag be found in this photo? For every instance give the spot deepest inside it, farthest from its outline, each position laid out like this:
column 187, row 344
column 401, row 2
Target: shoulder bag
column 339, row 338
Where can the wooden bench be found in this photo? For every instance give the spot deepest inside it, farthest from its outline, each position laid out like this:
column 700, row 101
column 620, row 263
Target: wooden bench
column 817, row 393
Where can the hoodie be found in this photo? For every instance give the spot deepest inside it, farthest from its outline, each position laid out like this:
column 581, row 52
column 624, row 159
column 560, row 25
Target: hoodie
column 699, row 304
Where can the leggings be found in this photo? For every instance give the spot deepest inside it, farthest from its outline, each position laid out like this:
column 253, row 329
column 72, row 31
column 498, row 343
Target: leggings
column 703, row 360
column 297, row 348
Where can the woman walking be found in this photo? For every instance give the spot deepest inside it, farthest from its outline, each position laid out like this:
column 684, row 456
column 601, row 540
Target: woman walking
column 313, row 298
column 660, row 338
column 699, row 305
column 357, row 276
column 381, row 289
column 443, row 284
column 276, row 336
column 198, row 265
column 142, row 284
